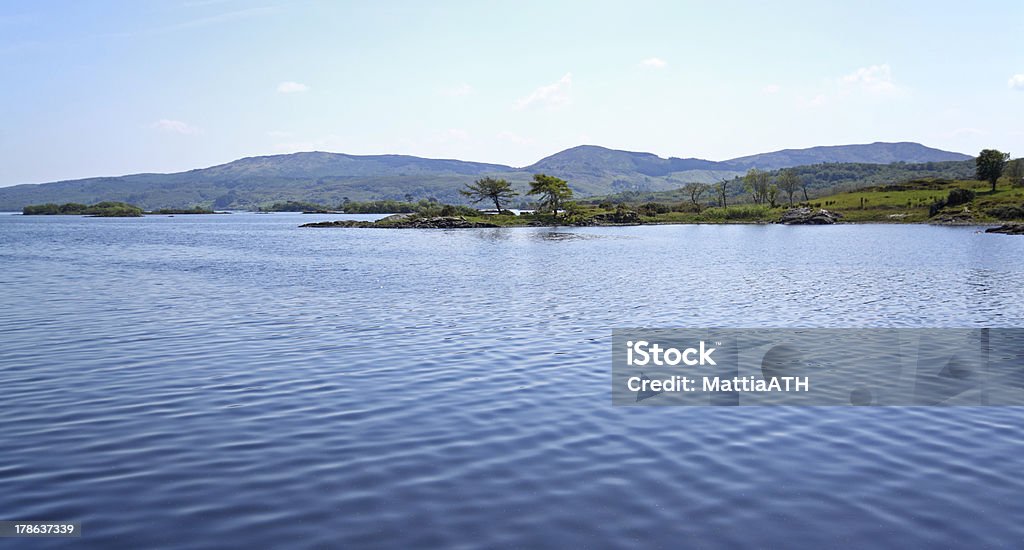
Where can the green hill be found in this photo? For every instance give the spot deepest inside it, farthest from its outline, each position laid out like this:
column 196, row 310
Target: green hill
column 330, row 178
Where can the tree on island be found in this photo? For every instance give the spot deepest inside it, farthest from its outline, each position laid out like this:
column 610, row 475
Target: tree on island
column 695, row 190
column 990, row 164
column 553, row 191
column 789, row 183
column 497, row 190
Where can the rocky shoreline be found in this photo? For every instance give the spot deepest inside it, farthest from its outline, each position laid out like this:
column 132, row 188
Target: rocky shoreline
column 405, row 221
column 1008, row 229
column 807, row 216
column 794, row 216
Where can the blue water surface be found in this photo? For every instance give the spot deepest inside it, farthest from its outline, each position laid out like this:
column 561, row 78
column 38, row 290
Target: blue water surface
column 237, row 381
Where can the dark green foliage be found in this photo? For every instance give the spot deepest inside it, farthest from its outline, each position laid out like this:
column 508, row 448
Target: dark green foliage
column 989, row 165
column 105, row 209
column 959, row 196
column 47, row 209
column 425, row 207
column 294, row 206
column 1007, row 212
column 432, row 209
column 653, row 209
column 379, row 207
column 553, row 191
column 622, row 214
column 72, row 208
column 956, row 197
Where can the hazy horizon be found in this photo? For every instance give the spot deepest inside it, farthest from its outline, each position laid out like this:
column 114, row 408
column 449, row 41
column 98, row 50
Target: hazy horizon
column 108, row 89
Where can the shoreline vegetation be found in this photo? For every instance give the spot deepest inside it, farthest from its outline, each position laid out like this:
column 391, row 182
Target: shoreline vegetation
column 992, row 199
column 995, row 197
column 106, row 209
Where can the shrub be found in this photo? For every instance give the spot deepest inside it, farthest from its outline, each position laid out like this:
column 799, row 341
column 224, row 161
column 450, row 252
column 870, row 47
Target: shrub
column 959, row 196
column 1006, row 212
column 653, row 209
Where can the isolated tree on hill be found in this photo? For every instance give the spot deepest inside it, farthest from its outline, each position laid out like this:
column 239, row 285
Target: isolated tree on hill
column 789, row 183
column 989, row 165
column 496, row 190
column 695, row 190
column 804, row 182
column 756, row 183
column 553, row 191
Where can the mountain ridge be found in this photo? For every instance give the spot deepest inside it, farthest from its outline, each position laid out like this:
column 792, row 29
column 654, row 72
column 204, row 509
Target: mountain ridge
column 328, row 177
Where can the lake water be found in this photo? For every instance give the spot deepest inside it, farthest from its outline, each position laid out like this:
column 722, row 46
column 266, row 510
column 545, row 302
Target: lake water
column 214, row 381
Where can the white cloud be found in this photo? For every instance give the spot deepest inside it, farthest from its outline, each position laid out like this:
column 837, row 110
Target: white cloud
column 175, row 126
column 818, row 100
column 289, row 87
column 654, row 63
column 458, row 91
column 876, row 79
column 771, row 89
column 551, row 96
column 1017, row 82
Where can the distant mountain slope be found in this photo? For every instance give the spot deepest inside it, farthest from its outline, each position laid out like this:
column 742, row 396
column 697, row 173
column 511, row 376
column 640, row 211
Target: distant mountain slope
column 329, row 178
column 318, row 164
column 591, row 159
column 870, row 153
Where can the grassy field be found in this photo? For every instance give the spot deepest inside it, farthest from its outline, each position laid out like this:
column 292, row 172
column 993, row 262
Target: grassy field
column 908, row 202
column 911, row 201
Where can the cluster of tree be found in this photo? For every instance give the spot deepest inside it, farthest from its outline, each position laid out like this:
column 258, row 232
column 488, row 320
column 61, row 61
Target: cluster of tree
column 765, row 188
column 104, row 209
column 802, row 183
column 554, row 194
column 381, row 207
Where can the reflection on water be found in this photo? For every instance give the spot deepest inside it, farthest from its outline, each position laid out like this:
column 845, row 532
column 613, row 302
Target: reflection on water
column 234, row 380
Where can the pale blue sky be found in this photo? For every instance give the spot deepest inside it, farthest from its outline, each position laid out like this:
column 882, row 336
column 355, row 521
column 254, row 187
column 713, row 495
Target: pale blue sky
column 95, row 88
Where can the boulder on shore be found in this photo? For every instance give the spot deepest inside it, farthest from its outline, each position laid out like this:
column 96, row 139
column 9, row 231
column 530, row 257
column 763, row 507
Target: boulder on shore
column 339, row 223
column 439, row 222
column 1008, row 229
column 807, row 216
